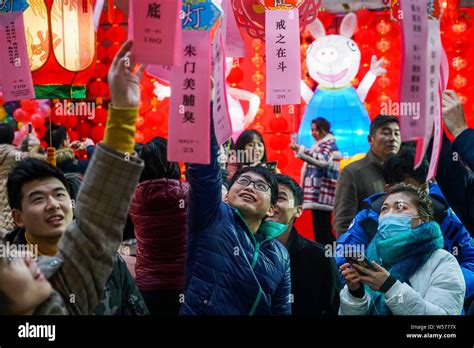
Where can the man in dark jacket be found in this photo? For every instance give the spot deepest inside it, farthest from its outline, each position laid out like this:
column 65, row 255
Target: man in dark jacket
column 234, row 264
column 363, row 178
column 454, row 177
column 315, row 283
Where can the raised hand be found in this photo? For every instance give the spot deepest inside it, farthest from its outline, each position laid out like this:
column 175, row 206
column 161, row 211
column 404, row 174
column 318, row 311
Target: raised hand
column 376, row 66
column 351, row 275
column 453, row 113
column 124, row 79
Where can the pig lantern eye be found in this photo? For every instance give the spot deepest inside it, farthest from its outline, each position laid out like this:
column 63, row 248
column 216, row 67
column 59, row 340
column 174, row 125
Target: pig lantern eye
column 352, row 45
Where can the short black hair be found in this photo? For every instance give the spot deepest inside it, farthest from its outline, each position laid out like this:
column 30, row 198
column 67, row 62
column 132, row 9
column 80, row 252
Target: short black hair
column 266, row 174
column 157, row 166
column 57, row 137
column 289, row 182
column 399, row 167
column 7, row 134
column 26, row 171
column 380, row 121
column 322, row 124
column 247, row 137
column 423, row 202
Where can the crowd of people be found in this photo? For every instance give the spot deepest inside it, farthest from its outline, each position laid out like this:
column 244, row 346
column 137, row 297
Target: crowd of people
column 128, row 235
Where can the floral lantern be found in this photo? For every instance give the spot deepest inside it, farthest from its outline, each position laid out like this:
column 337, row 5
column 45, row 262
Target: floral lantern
column 61, row 45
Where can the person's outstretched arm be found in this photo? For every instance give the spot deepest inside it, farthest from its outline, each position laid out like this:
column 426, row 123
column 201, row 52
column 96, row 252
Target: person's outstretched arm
column 89, row 245
column 205, row 193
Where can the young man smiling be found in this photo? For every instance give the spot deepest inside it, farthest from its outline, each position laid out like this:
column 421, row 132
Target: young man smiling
column 234, row 265
column 314, row 279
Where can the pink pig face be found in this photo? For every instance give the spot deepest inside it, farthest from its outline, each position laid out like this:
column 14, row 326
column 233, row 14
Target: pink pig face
column 333, row 61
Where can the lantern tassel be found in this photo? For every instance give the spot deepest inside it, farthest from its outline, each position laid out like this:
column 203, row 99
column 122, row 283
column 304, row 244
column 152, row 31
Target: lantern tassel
column 84, row 6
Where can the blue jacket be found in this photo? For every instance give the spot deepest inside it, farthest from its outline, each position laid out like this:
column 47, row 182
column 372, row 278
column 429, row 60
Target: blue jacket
column 229, row 270
column 457, row 239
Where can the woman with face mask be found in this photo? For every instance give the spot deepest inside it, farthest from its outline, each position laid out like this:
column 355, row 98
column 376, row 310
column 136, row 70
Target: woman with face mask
column 411, row 274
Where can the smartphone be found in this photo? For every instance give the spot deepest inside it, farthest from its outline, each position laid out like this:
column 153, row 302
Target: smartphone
column 360, row 260
column 30, row 128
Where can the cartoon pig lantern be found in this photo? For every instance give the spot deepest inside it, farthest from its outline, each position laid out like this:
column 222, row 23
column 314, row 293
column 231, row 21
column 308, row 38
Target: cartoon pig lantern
column 333, row 61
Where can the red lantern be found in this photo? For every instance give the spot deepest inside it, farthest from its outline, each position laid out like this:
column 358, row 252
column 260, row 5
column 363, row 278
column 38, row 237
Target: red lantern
column 83, row 130
column 364, row 17
column 99, row 89
column 97, row 133
column 116, row 34
column 365, row 37
column 153, row 119
column 61, row 41
column 100, row 116
column 279, row 142
column 70, row 122
column 278, row 124
column 140, row 122
column 73, row 135
column 101, row 53
column 101, row 71
column 112, row 51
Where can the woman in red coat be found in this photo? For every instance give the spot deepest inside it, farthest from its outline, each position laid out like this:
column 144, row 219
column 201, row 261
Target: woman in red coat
column 159, row 214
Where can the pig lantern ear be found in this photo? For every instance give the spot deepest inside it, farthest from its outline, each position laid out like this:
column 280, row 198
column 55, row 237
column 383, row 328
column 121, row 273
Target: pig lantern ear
column 349, row 25
column 317, row 29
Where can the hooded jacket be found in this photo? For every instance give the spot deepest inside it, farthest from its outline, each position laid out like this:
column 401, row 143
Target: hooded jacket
column 457, row 240
column 229, row 270
column 159, row 214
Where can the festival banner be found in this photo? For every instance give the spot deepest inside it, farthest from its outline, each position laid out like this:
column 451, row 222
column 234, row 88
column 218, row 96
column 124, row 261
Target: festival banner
column 16, row 82
column 282, row 38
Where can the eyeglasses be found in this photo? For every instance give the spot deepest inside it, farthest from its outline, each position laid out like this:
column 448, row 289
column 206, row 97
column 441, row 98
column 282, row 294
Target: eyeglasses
column 259, row 185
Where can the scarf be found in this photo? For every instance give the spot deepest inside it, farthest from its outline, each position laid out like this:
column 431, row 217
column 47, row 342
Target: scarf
column 402, row 255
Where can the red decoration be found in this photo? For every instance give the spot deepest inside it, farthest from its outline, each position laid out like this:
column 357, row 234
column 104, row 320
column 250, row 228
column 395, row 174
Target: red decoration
column 99, row 89
column 70, row 122
column 279, row 142
column 37, row 120
column 325, row 18
column 83, row 130
column 116, row 34
column 236, row 75
column 365, row 37
column 101, row 71
column 21, row 115
column 364, row 17
column 73, row 135
column 100, row 116
column 278, row 124
column 97, row 133
column 139, row 137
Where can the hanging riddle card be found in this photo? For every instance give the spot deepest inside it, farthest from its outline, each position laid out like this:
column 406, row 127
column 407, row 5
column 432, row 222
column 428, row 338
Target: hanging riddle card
column 15, row 75
column 190, row 119
column 420, row 82
column 189, row 122
column 220, row 112
column 283, row 57
column 155, row 30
